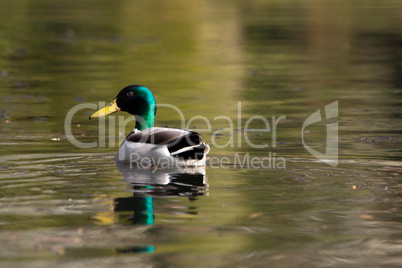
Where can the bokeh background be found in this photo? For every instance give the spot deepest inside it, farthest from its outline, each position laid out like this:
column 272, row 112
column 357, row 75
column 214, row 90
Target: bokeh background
column 278, row 58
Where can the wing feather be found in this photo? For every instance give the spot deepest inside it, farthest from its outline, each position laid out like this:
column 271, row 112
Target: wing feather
column 181, row 143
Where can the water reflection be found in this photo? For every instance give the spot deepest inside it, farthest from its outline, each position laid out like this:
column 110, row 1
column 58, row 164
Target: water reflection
column 276, row 57
column 148, row 184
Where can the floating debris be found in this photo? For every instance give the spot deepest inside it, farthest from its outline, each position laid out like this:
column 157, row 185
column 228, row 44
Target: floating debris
column 256, row 215
column 365, row 216
column 3, row 167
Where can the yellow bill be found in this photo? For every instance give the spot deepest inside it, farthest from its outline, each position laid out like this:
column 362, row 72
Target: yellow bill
column 109, row 109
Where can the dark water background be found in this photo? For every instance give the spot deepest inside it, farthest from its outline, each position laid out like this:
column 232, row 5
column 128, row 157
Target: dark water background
column 70, row 207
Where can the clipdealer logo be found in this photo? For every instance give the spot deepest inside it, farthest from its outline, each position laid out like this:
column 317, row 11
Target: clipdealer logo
column 330, row 156
column 237, row 134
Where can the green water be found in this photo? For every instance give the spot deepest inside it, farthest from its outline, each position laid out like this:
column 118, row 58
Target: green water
column 65, row 206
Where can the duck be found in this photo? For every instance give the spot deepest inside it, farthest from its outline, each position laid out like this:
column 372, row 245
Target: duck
column 149, row 146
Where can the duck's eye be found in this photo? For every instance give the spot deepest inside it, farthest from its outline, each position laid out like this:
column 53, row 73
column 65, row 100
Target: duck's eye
column 130, row 93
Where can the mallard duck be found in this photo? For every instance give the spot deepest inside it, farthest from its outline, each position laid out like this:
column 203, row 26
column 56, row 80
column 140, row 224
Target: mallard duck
column 147, row 145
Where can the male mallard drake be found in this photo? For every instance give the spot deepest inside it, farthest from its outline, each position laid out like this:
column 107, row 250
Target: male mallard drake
column 147, row 145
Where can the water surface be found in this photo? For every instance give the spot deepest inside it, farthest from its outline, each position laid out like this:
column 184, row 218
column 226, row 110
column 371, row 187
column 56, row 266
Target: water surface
column 68, row 206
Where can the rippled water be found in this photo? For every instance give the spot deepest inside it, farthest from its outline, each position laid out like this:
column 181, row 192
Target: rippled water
column 68, row 206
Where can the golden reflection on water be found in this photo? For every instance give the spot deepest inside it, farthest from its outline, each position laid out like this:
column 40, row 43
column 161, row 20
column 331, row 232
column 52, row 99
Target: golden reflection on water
column 275, row 57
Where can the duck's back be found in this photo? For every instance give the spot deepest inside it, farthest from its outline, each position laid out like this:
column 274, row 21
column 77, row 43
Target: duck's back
column 158, row 146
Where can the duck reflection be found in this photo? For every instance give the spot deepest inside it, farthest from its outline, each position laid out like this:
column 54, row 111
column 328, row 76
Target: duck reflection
column 148, row 184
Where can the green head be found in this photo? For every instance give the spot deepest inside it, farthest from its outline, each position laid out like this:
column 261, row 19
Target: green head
column 136, row 100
